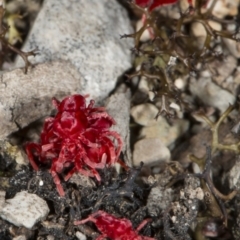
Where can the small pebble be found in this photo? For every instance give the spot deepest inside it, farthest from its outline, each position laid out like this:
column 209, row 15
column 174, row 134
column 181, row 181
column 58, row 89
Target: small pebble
column 150, row 151
column 25, row 209
column 144, row 114
column 21, row 237
column 81, row 236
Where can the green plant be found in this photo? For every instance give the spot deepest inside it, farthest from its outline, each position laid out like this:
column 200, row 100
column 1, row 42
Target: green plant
column 173, row 52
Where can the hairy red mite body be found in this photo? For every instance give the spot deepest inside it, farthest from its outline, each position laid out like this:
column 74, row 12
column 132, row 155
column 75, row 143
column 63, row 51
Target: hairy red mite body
column 115, row 228
column 78, row 138
column 154, row 3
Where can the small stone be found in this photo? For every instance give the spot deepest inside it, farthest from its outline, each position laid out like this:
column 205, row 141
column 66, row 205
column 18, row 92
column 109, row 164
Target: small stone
column 180, row 83
column 50, row 237
column 158, row 200
column 82, row 180
column 25, row 209
column 144, row 114
column 211, row 94
column 143, row 83
column 199, row 31
column 222, row 8
column 233, row 47
column 184, row 5
column 81, row 236
column 150, row 151
column 236, row 78
column 192, row 193
column 164, row 131
column 221, row 70
column 146, row 34
column 234, row 176
column 225, row 8
column 21, row 237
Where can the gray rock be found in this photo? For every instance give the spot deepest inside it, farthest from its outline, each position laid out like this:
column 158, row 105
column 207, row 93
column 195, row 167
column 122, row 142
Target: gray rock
column 159, row 199
column 25, row 98
column 86, row 33
column 150, row 151
column 25, row 209
column 118, row 106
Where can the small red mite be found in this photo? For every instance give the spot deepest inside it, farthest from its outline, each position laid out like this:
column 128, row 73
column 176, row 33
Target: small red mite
column 115, row 228
column 77, row 139
column 151, row 5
